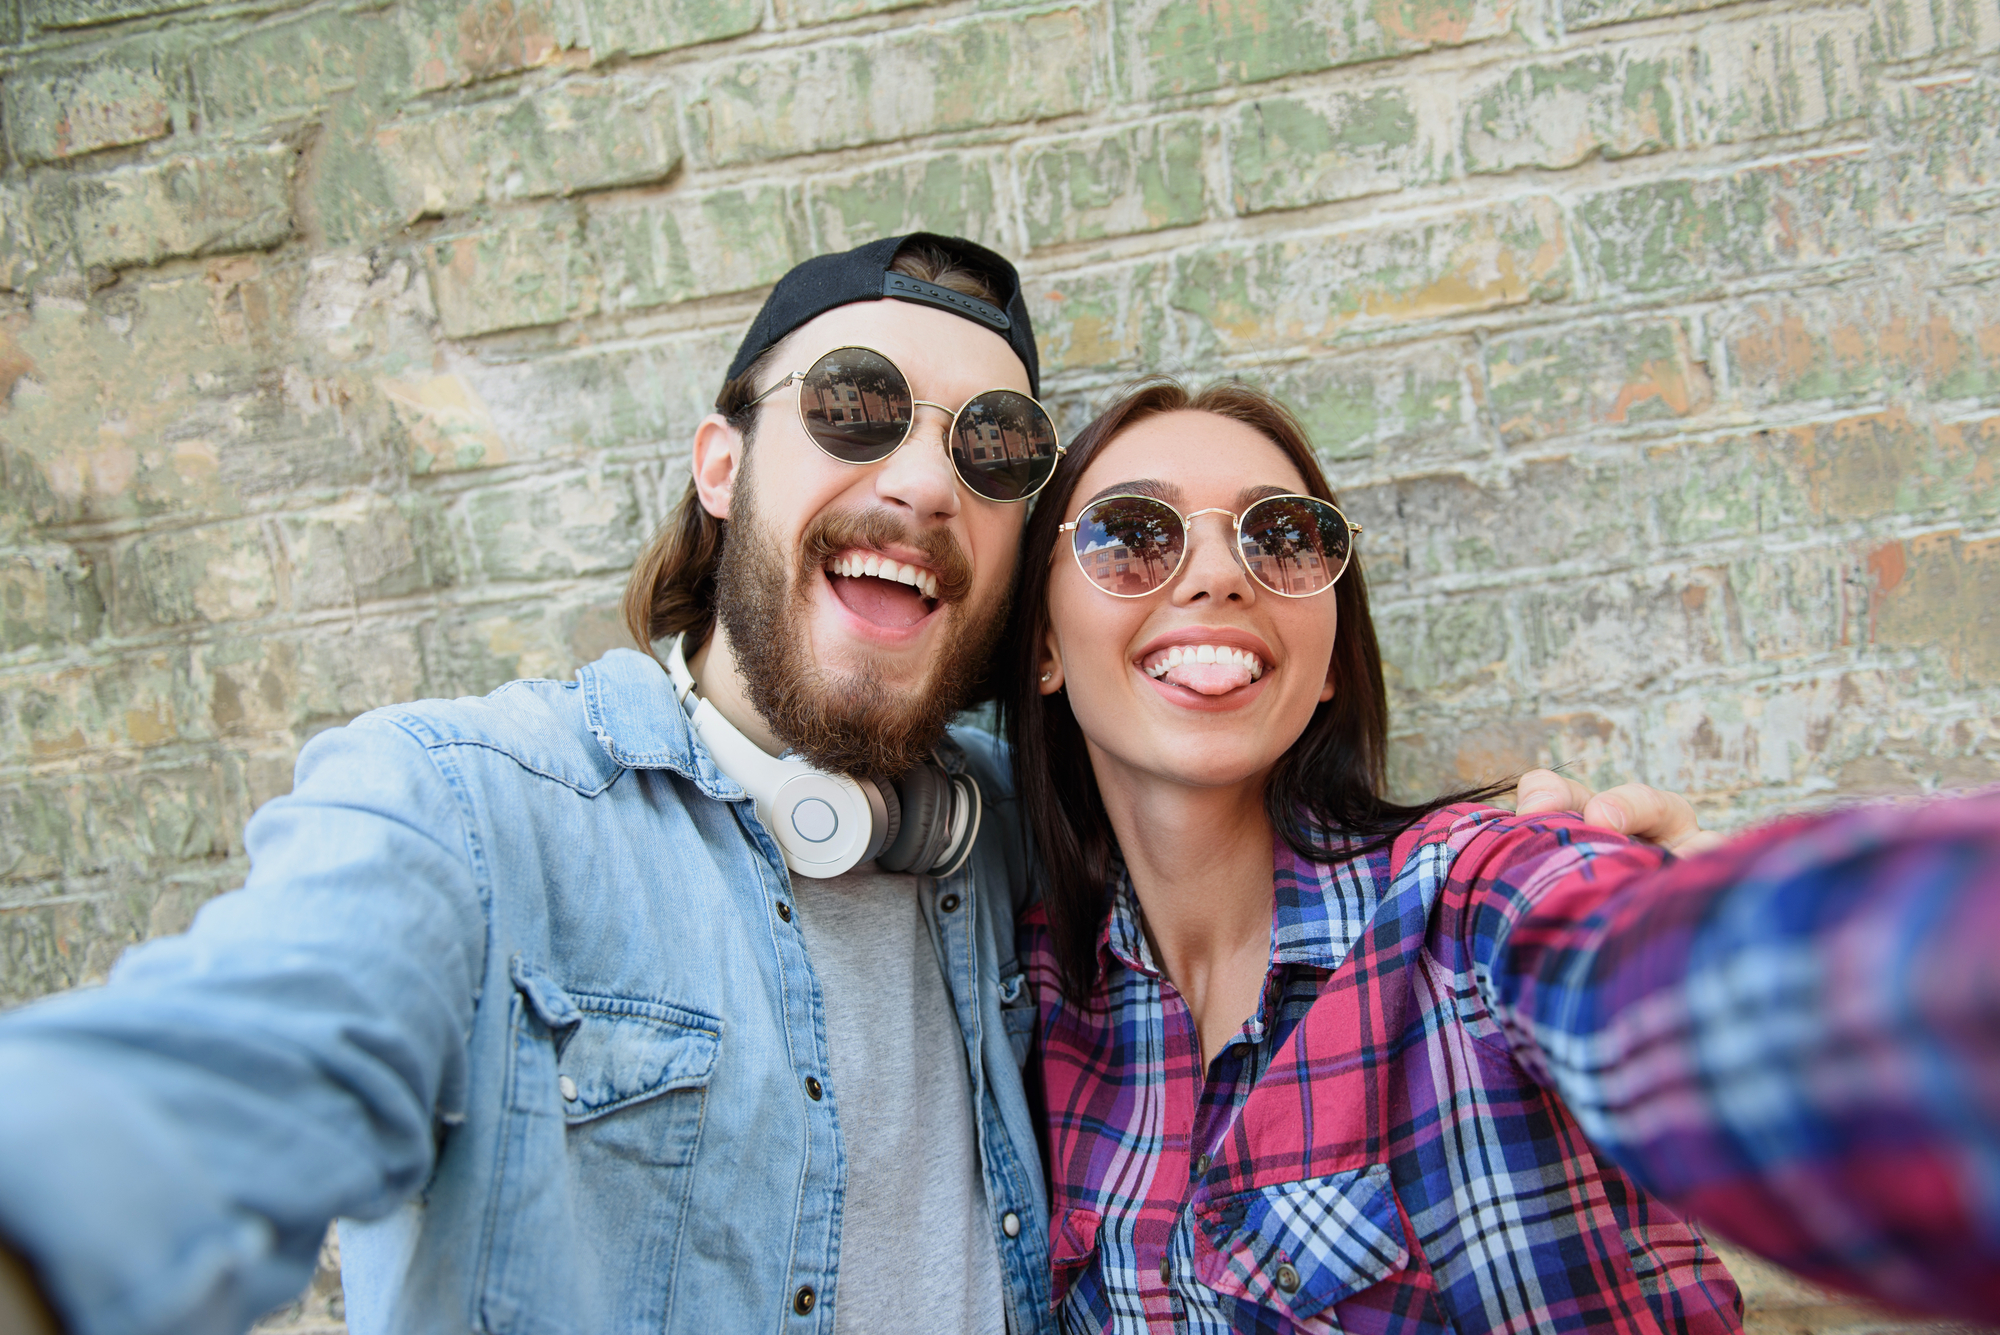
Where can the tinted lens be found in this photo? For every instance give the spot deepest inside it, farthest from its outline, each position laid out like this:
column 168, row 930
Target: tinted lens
column 1004, row 445
column 1295, row 545
column 1129, row 545
column 856, row 405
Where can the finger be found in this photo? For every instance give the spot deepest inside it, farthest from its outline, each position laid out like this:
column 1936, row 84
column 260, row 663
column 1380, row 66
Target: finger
column 1644, row 812
column 1699, row 842
column 1542, row 791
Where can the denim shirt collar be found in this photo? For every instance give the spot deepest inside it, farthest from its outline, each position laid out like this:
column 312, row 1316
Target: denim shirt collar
column 629, row 703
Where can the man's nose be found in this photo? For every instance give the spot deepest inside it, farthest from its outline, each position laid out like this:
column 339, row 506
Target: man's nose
column 919, row 476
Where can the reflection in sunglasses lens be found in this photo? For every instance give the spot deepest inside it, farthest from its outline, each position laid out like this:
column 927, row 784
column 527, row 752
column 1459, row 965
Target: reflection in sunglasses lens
column 1004, row 445
column 1129, row 545
column 856, row 404
column 1294, row 546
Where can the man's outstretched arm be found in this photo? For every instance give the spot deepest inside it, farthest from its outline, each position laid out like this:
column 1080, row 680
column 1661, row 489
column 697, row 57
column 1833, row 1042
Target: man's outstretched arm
column 1795, row 1038
column 172, row 1145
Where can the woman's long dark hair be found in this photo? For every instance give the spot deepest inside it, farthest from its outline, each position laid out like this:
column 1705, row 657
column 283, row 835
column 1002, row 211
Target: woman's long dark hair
column 1329, row 782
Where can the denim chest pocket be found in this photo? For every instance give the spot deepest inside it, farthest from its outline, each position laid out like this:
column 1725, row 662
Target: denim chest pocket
column 1300, row 1247
column 1017, row 1013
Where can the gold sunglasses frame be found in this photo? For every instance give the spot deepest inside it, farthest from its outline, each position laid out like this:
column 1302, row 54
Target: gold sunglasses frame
column 1187, row 535
column 909, row 427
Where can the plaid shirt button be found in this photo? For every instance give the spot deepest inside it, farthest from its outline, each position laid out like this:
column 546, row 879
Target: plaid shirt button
column 1164, row 1272
column 1288, row 1279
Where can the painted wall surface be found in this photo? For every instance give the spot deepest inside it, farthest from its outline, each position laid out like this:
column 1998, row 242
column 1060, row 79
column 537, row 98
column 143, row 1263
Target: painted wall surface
column 350, row 353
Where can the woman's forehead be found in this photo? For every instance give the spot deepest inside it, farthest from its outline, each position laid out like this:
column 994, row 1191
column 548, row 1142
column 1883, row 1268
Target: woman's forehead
column 1190, row 453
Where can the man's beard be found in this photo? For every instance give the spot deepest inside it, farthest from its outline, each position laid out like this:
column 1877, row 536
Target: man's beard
column 848, row 723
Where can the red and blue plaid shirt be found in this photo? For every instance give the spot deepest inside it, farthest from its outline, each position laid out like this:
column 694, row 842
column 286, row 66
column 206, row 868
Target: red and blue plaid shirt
column 1461, row 1039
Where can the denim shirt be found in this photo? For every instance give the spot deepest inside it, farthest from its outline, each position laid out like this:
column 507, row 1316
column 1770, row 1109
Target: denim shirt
column 516, row 981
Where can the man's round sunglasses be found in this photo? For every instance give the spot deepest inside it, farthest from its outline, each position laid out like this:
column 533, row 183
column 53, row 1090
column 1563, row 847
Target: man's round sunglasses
column 856, row 405
column 1129, row 546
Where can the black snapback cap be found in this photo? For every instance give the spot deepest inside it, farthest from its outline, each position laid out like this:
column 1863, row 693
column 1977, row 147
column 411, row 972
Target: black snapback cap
column 863, row 274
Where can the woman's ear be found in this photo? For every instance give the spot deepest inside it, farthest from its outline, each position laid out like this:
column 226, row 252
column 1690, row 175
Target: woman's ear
column 1326, row 687
column 1051, row 666
column 718, row 454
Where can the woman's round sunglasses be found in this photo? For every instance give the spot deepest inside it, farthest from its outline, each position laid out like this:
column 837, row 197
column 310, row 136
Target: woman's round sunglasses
column 856, row 405
column 1129, row 546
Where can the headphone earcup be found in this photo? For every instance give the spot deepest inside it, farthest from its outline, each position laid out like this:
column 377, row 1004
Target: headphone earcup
column 925, row 794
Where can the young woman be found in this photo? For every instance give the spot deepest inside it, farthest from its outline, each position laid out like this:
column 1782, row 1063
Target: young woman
column 1314, row 1061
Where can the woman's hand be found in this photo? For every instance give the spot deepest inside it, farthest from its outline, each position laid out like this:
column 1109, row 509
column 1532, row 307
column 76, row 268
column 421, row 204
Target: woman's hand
column 1637, row 809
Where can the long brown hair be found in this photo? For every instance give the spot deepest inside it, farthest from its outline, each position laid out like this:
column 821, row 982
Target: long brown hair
column 1330, row 782
column 671, row 590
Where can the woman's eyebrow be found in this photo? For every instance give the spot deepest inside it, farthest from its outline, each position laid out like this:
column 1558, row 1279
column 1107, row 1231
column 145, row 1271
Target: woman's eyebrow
column 1251, row 495
column 1145, row 486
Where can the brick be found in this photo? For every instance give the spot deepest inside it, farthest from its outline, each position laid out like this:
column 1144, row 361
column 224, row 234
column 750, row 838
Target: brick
column 1580, row 14
column 75, row 940
column 215, row 573
column 129, row 704
column 1186, row 46
column 673, row 247
column 1775, row 77
column 1463, row 749
column 524, row 268
column 285, row 688
column 1568, row 379
column 1415, row 401
column 363, row 550
column 1939, row 594
column 576, row 135
column 287, row 70
column 133, row 819
column 456, row 42
column 1289, row 152
column 442, row 424
column 196, row 204
column 645, row 27
column 1838, row 347
column 1908, row 29
column 56, row 114
column 952, row 193
column 1317, row 288
column 1100, row 319
column 983, row 71
column 55, row 15
column 48, row 597
column 1448, row 524
column 1442, row 651
column 1697, row 234
column 560, row 527
column 473, row 650
column 1138, row 179
column 1773, row 734
column 1612, row 104
column 1613, row 636
column 1942, row 138
column 1795, row 607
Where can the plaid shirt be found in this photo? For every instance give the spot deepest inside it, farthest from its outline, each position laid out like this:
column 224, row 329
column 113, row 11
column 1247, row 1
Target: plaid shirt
column 1383, row 1147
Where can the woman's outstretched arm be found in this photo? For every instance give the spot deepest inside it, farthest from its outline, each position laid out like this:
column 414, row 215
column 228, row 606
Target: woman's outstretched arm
column 1794, row 1038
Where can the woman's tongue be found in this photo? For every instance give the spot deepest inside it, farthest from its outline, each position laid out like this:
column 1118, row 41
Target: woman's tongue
column 882, row 601
column 1209, row 678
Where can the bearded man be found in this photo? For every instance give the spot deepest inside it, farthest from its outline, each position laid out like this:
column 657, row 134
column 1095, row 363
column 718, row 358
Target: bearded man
column 681, row 997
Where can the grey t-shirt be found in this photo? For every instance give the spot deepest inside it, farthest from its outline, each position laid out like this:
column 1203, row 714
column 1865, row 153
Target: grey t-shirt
column 917, row 1251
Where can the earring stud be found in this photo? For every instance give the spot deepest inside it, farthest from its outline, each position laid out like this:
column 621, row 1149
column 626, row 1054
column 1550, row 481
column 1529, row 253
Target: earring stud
column 1047, row 675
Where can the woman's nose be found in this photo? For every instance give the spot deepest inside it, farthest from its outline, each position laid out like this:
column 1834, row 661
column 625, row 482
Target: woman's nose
column 1211, row 568
column 919, row 476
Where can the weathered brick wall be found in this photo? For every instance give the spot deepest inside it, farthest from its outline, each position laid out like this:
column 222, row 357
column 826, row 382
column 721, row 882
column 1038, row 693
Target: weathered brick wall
column 351, row 351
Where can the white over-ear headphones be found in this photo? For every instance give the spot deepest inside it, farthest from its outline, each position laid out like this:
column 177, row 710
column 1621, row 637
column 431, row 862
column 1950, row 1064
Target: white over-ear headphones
column 825, row 824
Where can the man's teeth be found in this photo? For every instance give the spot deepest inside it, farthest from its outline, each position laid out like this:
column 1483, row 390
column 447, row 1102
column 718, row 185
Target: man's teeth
column 882, row 567
column 1164, row 662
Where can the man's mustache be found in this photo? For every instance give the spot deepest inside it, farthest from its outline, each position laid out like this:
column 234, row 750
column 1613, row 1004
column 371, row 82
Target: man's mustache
column 830, row 534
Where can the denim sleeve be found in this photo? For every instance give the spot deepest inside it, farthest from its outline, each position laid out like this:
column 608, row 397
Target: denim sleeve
column 1795, row 1038
column 174, row 1143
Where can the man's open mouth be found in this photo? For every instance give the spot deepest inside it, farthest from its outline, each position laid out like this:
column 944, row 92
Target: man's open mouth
column 880, row 589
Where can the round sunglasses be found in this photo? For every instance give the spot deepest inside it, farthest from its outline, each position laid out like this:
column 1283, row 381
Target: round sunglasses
column 856, row 405
column 1129, row 546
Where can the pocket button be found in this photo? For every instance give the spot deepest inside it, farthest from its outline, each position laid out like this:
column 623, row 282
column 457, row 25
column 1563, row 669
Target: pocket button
column 1288, row 1278
column 567, row 1088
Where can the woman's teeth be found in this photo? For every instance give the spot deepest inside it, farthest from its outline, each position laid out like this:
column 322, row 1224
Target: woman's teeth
column 1210, row 669
column 855, row 564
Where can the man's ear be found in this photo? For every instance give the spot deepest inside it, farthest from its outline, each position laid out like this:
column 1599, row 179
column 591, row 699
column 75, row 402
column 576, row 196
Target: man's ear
column 718, row 455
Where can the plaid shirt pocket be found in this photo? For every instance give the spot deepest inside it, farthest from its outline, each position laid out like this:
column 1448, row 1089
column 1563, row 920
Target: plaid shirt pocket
column 1302, row 1246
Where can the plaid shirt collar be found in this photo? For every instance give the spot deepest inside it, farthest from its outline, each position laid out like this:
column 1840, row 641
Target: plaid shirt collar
column 1321, row 911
